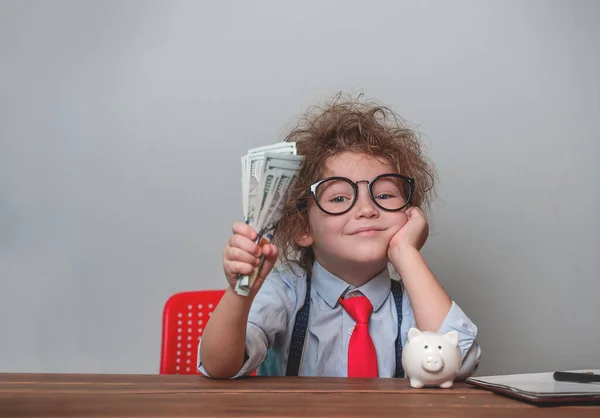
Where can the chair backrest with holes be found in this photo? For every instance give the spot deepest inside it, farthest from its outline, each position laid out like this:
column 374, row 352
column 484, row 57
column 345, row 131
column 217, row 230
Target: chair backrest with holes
column 184, row 317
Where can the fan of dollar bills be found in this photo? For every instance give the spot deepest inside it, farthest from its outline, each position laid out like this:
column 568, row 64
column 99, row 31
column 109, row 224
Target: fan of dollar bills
column 267, row 176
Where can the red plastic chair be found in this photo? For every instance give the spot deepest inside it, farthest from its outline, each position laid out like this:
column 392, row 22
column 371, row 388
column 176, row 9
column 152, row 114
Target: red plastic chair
column 184, row 317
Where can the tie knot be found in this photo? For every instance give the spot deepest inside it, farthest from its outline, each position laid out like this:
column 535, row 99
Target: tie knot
column 359, row 308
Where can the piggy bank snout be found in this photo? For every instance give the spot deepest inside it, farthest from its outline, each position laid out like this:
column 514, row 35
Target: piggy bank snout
column 432, row 363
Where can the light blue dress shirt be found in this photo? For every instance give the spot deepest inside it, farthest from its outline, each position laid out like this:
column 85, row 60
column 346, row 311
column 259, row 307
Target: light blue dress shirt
column 273, row 312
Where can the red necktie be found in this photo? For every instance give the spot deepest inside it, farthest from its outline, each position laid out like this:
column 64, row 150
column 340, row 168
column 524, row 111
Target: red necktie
column 362, row 356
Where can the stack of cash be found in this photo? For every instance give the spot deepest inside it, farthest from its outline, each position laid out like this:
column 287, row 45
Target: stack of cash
column 267, row 176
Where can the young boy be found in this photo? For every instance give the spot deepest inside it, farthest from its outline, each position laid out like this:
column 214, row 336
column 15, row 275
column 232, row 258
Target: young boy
column 331, row 307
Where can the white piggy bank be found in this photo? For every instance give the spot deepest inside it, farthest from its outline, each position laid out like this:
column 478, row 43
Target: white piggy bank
column 431, row 359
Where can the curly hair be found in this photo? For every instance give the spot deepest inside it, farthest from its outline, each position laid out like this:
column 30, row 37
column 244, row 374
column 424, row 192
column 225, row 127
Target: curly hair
column 347, row 125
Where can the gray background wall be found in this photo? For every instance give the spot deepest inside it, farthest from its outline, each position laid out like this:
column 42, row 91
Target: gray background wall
column 122, row 124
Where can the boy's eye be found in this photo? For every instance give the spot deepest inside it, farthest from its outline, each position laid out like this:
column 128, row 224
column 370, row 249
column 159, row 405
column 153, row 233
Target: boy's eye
column 384, row 196
column 339, row 199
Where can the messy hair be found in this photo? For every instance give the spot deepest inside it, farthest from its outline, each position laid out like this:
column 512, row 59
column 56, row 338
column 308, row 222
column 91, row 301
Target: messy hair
column 347, row 125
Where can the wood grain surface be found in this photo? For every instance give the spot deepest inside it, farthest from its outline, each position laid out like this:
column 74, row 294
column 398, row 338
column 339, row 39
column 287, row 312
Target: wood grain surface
column 80, row 395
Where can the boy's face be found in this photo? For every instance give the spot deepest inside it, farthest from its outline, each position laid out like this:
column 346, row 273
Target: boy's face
column 337, row 240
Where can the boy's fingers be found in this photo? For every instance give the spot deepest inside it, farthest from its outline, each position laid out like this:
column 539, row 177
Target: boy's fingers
column 237, row 254
column 245, row 244
column 234, row 268
column 414, row 212
column 270, row 252
column 244, row 229
column 265, row 269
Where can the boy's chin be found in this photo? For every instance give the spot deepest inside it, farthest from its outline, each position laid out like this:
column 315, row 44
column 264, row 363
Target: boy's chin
column 369, row 257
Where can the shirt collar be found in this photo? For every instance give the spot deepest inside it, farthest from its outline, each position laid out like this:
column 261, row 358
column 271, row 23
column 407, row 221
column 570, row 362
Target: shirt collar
column 331, row 287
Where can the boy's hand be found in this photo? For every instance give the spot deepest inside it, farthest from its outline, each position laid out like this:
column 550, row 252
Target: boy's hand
column 241, row 255
column 412, row 235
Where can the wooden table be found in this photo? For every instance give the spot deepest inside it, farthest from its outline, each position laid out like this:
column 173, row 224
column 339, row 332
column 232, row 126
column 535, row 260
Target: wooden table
column 72, row 395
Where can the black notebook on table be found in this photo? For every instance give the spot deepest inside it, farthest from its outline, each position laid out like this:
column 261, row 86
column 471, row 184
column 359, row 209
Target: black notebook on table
column 540, row 388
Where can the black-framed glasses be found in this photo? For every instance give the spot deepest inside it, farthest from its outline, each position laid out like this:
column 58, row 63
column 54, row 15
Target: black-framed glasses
column 337, row 195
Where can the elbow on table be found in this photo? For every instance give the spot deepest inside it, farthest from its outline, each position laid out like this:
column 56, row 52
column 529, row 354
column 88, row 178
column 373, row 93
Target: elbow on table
column 470, row 362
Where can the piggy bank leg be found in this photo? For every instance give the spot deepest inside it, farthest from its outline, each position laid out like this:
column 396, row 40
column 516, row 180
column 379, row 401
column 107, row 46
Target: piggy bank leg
column 446, row 385
column 415, row 383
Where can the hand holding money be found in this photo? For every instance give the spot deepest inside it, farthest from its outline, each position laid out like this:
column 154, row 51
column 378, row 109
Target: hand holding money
column 242, row 255
column 267, row 176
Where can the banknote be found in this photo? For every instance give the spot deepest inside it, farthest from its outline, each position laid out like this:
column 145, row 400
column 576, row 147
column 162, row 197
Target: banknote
column 252, row 164
column 276, row 166
column 267, row 175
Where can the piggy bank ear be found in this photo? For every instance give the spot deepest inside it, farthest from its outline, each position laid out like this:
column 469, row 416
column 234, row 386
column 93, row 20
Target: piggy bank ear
column 413, row 333
column 452, row 336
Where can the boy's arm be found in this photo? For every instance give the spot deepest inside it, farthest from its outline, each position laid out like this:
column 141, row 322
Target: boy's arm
column 429, row 300
column 223, row 344
column 221, row 351
column 427, row 305
column 270, row 310
column 455, row 320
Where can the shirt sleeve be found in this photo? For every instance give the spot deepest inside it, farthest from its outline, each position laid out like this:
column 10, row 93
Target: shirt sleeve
column 267, row 321
column 457, row 320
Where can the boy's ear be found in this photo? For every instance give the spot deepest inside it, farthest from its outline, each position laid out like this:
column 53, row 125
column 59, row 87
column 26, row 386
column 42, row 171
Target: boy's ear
column 304, row 240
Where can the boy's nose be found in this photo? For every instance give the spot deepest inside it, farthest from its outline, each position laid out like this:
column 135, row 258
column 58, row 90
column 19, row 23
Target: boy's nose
column 365, row 207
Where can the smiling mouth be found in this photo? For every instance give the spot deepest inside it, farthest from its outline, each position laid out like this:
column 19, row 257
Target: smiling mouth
column 367, row 231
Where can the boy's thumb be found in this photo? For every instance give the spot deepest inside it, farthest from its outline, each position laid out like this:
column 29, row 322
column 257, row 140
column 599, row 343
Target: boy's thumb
column 268, row 262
